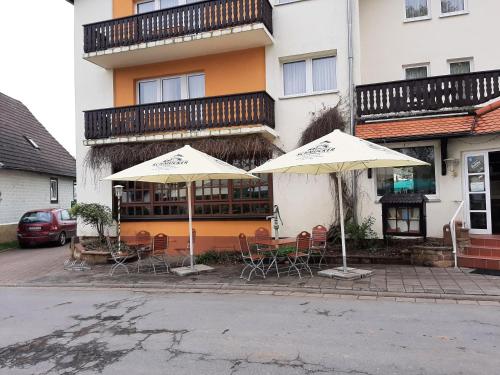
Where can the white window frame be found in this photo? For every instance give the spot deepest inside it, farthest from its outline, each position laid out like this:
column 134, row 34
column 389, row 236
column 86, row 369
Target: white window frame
column 158, row 4
column 54, row 198
column 419, row 65
column 422, row 18
column 470, row 60
column 309, row 74
column 159, row 86
column 451, row 14
column 437, row 165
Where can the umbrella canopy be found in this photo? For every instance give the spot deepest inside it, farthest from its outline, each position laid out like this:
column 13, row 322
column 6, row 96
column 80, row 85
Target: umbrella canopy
column 337, row 152
column 183, row 165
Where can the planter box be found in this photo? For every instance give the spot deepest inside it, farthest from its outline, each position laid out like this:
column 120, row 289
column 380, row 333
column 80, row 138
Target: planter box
column 91, row 257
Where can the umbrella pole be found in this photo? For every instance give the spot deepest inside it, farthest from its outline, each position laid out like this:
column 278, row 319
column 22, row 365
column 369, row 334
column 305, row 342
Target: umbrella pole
column 190, row 210
column 342, row 231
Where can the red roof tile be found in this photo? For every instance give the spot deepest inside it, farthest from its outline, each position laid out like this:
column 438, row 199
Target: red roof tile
column 415, row 127
column 488, row 122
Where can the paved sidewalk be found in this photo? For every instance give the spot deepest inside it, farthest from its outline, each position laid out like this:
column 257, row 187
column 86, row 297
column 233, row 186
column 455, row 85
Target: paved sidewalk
column 44, row 267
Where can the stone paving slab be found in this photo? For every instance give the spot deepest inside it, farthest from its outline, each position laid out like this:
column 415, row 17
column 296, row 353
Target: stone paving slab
column 44, row 268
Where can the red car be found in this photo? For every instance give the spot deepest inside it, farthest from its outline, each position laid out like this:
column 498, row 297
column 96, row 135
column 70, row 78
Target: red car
column 52, row 225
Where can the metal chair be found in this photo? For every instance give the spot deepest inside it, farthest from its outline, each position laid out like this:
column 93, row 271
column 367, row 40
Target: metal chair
column 300, row 258
column 119, row 257
column 318, row 243
column 253, row 262
column 159, row 252
column 143, row 239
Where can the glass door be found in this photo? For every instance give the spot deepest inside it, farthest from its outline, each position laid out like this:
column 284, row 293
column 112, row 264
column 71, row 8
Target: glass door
column 477, row 183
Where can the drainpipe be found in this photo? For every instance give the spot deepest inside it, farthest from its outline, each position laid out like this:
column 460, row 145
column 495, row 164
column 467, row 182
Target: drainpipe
column 350, row 51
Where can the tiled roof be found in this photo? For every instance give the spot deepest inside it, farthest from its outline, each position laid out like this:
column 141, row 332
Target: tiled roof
column 415, row 128
column 17, row 125
column 485, row 120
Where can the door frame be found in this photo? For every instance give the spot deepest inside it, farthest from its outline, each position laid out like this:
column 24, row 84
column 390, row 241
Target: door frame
column 465, row 170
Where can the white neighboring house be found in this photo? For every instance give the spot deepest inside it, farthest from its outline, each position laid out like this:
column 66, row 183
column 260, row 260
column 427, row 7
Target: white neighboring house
column 36, row 171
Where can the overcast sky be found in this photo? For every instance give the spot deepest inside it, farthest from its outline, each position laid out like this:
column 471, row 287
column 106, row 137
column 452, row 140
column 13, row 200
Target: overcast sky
column 36, row 62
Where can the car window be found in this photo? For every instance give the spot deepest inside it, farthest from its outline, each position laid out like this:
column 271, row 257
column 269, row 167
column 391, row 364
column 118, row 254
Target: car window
column 36, row 217
column 65, row 215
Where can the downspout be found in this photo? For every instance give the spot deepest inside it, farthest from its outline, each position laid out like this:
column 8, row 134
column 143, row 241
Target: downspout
column 350, row 51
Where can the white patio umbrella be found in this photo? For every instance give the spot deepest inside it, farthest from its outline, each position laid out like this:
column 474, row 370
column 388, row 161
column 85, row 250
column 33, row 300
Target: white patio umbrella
column 184, row 165
column 337, row 152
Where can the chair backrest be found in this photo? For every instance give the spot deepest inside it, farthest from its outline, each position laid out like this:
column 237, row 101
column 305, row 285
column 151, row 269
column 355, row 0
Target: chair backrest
column 143, row 237
column 160, row 242
column 262, row 234
column 319, row 236
column 303, row 242
column 244, row 248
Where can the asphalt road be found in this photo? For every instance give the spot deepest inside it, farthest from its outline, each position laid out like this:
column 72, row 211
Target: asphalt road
column 64, row 331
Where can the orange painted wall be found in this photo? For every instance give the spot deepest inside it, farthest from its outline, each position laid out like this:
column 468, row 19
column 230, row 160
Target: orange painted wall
column 210, row 235
column 123, row 8
column 228, row 73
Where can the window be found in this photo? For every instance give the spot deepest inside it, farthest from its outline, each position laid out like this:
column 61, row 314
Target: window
column 151, row 5
column 32, row 142
column 460, row 67
column 421, row 179
column 54, row 190
column 146, row 6
column 294, row 76
column 415, row 72
column 64, row 215
column 309, row 76
column 452, row 6
column 216, row 198
column 416, row 9
column 171, row 88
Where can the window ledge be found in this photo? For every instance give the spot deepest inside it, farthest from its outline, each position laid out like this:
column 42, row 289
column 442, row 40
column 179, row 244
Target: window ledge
column 453, row 14
column 430, row 199
column 416, row 19
column 295, row 96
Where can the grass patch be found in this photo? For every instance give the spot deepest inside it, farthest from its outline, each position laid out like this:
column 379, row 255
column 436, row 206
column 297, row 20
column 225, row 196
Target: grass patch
column 8, row 245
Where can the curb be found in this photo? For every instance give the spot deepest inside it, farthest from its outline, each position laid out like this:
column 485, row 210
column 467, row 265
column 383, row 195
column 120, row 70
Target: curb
column 272, row 290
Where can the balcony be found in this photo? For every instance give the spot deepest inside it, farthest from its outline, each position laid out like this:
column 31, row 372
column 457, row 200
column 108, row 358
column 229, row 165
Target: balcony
column 443, row 94
column 209, row 116
column 203, row 28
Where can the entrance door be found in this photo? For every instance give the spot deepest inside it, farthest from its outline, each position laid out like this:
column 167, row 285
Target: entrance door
column 477, row 183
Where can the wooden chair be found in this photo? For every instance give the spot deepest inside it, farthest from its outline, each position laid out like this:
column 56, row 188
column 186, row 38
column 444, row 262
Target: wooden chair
column 299, row 260
column 143, row 239
column 254, row 262
column 261, row 234
column 318, row 243
column 159, row 252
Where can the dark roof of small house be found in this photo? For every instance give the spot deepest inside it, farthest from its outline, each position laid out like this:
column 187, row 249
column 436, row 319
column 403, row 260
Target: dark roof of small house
column 412, row 198
column 17, row 127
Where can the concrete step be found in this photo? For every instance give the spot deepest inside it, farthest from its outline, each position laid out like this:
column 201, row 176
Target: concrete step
column 485, row 263
column 481, row 251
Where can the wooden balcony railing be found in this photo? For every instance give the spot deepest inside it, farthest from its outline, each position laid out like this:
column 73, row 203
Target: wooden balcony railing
column 193, row 114
column 172, row 22
column 448, row 92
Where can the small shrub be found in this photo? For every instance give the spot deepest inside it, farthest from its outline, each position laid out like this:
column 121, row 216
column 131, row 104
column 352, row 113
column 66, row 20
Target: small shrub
column 362, row 235
column 96, row 215
column 219, row 257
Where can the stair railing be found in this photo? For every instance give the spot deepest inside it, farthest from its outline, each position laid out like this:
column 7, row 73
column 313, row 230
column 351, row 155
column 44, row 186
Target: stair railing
column 453, row 230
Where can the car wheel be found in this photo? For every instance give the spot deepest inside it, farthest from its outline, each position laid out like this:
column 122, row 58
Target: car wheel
column 23, row 245
column 61, row 241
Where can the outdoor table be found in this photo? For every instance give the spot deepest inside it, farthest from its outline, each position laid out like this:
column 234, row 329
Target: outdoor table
column 137, row 245
column 273, row 247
